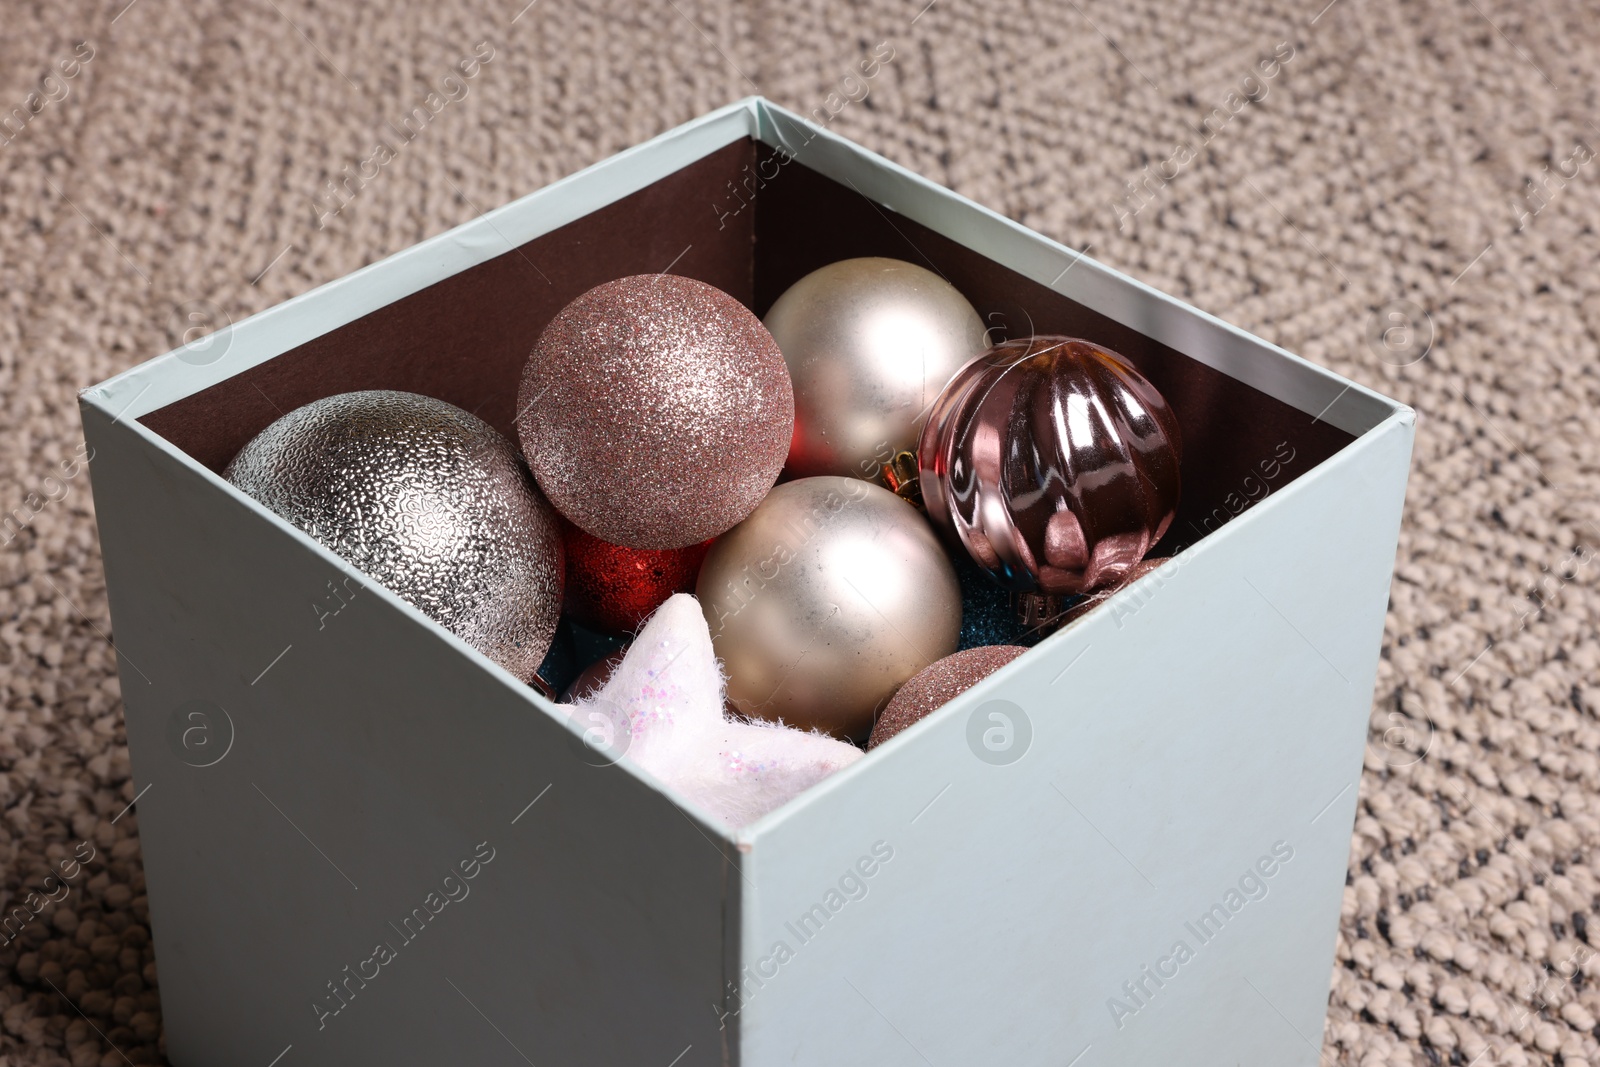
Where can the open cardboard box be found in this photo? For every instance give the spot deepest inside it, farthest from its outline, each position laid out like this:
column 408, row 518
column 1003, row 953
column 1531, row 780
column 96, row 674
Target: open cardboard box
column 1151, row 874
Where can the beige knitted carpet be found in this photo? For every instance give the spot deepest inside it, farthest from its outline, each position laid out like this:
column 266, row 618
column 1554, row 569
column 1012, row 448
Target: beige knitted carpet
column 1401, row 189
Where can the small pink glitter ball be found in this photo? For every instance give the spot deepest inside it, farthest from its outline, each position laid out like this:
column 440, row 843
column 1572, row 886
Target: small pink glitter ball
column 937, row 685
column 655, row 411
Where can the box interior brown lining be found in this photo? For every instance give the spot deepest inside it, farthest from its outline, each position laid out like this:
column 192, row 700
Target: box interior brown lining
column 464, row 339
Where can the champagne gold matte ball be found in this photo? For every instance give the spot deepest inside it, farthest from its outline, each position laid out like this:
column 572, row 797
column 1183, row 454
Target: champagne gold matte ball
column 655, row 411
column 869, row 344
column 426, row 499
column 829, row 597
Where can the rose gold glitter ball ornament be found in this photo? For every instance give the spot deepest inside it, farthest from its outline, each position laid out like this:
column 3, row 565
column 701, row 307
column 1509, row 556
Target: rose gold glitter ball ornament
column 935, row 686
column 656, row 411
column 427, row 499
column 869, row 343
column 593, row 677
column 825, row 600
column 1104, row 593
column 1054, row 462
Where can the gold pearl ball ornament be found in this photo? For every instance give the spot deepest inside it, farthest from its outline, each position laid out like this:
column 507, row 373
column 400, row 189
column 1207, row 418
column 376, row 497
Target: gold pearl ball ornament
column 825, row 600
column 869, row 344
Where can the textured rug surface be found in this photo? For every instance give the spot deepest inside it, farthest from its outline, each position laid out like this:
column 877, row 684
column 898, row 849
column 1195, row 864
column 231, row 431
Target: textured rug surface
column 1409, row 197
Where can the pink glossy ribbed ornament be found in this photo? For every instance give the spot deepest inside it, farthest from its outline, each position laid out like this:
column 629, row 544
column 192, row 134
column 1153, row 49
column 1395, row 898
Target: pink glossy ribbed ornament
column 1053, row 462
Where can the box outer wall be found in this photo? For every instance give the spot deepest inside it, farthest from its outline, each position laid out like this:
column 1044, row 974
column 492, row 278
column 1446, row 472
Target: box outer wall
column 1178, row 734
column 1146, row 793
column 340, row 803
column 362, row 768
column 1026, row 973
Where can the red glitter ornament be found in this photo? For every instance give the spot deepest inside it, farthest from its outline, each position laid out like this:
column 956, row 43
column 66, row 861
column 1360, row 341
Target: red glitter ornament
column 613, row 589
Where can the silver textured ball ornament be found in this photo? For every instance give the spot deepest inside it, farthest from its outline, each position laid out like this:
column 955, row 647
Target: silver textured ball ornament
column 869, row 343
column 830, row 596
column 428, row 500
column 655, row 411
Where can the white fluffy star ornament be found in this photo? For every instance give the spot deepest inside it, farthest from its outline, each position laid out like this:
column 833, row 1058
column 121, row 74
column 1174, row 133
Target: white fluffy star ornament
column 665, row 705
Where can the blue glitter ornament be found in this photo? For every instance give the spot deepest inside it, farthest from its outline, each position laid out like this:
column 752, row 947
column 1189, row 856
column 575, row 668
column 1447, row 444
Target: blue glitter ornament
column 561, row 664
column 987, row 616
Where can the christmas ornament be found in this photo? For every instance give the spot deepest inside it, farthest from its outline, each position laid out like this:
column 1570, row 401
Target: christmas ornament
column 428, row 500
column 561, row 662
column 988, row 617
column 662, row 709
column 613, row 589
column 1093, row 600
column 869, row 344
column 935, row 686
column 1054, row 463
column 825, row 600
column 590, row 680
column 655, row 411
column 589, row 645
